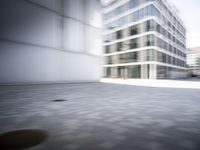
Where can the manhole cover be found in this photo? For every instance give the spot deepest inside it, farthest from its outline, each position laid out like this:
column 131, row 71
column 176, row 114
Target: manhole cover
column 59, row 100
column 21, row 139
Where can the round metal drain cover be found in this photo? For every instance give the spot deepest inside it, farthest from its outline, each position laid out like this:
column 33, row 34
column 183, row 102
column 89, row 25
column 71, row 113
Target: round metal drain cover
column 21, row 139
column 59, row 100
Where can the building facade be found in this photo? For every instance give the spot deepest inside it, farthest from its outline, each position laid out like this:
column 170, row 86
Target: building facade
column 193, row 61
column 143, row 39
column 50, row 41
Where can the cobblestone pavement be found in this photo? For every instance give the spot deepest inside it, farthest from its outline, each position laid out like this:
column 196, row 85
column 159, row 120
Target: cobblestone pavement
column 101, row 116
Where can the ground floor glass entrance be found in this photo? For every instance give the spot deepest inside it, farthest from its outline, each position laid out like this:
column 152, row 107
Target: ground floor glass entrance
column 123, row 72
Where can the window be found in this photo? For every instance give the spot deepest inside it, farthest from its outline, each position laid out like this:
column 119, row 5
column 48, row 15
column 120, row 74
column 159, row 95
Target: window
column 161, row 72
column 108, row 72
column 174, row 40
column 123, row 58
column 148, row 55
column 119, row 34
column 163, row 32
column 121, row 72
column 150, row 25
column 151, row 55
column 174, row 61
column 175, row 50
column 173, row 30
column 133, row 57
column 140, row 14
column 109, row 60
column 150, row 40
column 135, row 16
column 131, row 3
column 137, row 2
column 119, row 10
column 169, row 35
column 149, row 12
column 152, row 11
column 162, row 57
column 169, row 60
column 107, row 49
column 164, row 45
column 145, row 12
column 165, row 8
column 134, row 30
column 134, row 71
column 158, row 28
column 121, row 21
column 159, row 42
column 134, row 43
column 170, row 48
column 119, row 46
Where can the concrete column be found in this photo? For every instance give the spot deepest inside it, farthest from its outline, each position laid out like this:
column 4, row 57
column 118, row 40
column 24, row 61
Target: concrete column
column 142, row 56
column 152, row 71
column 144, row 72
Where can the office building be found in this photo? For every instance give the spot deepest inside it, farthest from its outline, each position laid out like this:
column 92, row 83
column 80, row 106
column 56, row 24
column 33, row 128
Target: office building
column 143, row 39
column 193, row 61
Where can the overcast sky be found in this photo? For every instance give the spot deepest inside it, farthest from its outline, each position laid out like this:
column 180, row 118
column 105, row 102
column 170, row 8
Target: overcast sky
column 189, row 11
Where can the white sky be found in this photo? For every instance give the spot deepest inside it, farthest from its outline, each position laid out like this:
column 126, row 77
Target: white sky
column 189, row 11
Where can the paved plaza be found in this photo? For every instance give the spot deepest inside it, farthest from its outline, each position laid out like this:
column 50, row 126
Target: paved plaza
column 103, row 116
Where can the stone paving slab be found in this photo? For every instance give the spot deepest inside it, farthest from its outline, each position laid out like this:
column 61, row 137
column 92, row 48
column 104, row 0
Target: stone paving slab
column 102, row 116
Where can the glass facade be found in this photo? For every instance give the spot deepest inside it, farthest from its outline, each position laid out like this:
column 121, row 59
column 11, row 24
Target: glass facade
column 152, row 35
column 123, row 72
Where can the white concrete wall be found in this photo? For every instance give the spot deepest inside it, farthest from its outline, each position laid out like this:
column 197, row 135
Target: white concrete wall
column 50, row 41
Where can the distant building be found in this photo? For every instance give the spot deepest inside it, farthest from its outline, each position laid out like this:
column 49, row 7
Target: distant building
column 193, row 61
column 143, row 39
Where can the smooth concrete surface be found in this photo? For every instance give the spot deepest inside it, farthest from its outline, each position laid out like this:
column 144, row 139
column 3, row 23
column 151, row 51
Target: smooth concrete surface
column 42, row 65
column 50, row 41
column 101, row 116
